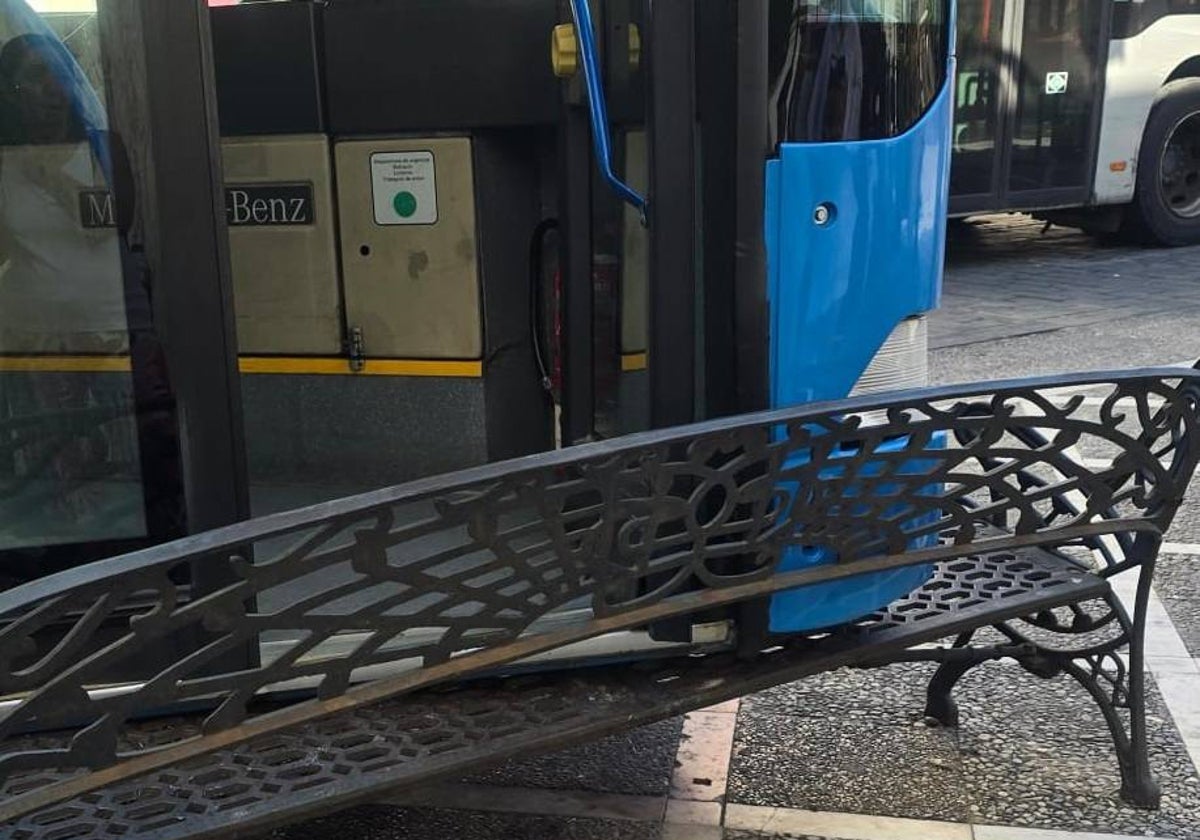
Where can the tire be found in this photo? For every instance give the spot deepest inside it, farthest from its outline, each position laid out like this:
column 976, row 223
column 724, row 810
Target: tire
column 1166, row 204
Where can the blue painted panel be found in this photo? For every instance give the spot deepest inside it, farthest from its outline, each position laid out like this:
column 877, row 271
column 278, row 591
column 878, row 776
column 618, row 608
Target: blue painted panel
column 838, row 290
column 838, row 601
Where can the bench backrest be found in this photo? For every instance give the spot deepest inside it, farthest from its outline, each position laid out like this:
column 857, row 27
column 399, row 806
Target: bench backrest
column 457, row 574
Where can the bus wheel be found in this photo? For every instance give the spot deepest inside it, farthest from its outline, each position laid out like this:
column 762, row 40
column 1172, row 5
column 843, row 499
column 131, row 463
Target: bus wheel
column 1166, row 206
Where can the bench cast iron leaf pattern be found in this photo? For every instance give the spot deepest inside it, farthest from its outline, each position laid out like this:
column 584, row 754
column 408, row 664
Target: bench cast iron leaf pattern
column 458, row 574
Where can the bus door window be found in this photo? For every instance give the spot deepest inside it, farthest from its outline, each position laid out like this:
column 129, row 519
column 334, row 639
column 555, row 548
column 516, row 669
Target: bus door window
column 854, row 69
column 89, row 452
column 978, row 95
column 1058, row 90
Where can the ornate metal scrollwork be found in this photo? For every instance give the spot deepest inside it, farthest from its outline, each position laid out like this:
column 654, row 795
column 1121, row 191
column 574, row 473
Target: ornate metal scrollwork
column 454, row 575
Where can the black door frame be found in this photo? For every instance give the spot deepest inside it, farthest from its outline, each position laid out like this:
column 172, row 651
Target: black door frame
column 160, row 81
column 671, row 146
column 162, row 98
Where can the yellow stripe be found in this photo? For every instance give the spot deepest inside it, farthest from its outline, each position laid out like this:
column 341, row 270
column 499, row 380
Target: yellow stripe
column 256, row 364
column 633, row 361
column 372, row 367
column 66, row 364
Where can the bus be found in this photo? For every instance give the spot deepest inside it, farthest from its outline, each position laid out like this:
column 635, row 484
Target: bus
column 1081, row 112
column 370, row 261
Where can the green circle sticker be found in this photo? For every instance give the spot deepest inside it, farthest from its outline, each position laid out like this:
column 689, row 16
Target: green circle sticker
column 405, row 204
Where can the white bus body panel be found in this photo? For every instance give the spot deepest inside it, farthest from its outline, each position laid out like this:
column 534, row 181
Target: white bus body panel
column 1138, row 67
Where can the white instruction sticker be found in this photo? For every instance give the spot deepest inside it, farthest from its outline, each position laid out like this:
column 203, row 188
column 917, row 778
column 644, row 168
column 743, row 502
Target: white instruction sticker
column 1056, row 82
column 404, row 188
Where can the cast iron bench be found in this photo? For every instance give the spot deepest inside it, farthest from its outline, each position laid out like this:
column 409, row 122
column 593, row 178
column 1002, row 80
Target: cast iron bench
column 396, row 622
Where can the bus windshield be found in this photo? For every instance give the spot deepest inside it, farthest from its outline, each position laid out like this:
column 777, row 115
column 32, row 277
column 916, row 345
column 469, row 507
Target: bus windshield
column 886, row 11
column 854, row 69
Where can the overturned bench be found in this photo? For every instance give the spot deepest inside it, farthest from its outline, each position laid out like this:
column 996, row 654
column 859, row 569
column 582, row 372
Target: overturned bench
column 392, row 639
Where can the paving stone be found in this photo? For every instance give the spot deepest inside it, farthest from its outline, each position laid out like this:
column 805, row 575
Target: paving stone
column 893, row 695
column 1186, row 527
column 1006, row 278
column 637, row 762
column 1177, row 581
column 845, row 763
column 1037, row 753
column 754, row 835
column 388, row 823
column 1030, row 752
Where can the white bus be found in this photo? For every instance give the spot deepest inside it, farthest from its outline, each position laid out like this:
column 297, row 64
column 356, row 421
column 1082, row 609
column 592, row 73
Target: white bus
column 1083, row 112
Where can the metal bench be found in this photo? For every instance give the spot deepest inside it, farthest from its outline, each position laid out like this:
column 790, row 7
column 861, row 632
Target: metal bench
column 388, row 631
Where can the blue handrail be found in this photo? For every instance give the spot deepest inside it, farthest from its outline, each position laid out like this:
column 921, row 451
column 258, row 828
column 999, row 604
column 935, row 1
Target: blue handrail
column 597, row 107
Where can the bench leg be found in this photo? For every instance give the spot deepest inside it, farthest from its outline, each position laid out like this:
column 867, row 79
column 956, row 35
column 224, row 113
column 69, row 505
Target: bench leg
column 1138, row 786
column 939, row 702
column 1118, row 690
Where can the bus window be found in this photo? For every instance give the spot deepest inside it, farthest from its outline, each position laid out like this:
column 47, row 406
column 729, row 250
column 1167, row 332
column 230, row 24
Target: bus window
column 854, row 69
column 977, row 101
column 1131, row 19
column 85, row 410
column 1057, row 95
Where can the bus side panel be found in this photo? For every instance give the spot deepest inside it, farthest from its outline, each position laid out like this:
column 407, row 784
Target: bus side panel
column 840, row 281
column 840, row 288
column 1138, row 67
